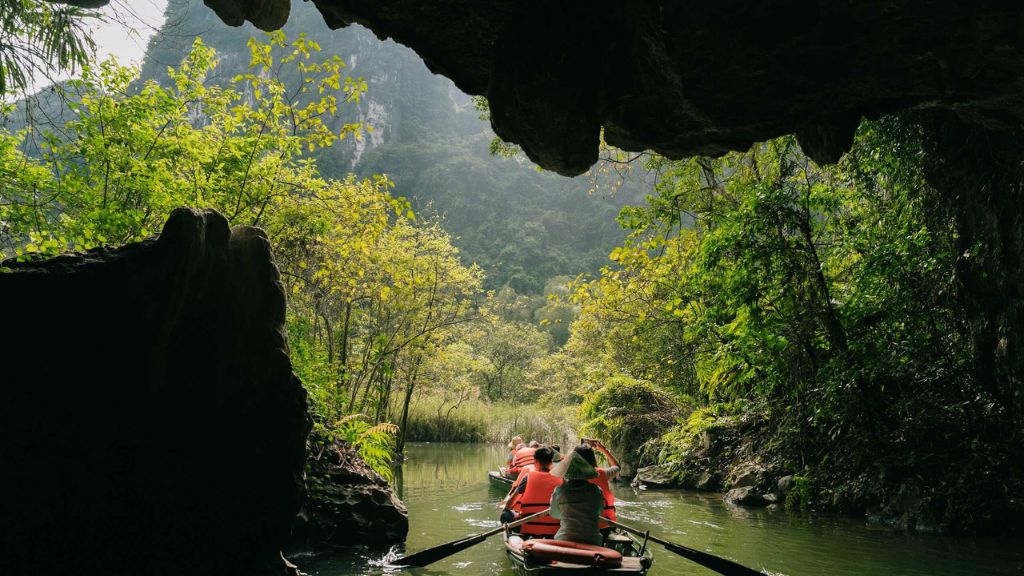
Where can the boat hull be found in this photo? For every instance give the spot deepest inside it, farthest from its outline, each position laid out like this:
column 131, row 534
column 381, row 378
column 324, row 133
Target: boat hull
column 635, row 560
column 497, row 479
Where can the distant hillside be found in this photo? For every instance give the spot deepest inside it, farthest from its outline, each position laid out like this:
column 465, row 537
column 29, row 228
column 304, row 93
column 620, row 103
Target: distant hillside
column 522, row 226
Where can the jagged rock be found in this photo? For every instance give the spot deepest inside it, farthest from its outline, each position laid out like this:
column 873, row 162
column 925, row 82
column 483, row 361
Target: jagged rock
column 785, row 484
column 746, row 496
column 746, row 474
column 347, row 503
column 707, row 481
column 264, row 14
column 127, row 373
column 659, row 476
column 697, row 78
column 771, row 497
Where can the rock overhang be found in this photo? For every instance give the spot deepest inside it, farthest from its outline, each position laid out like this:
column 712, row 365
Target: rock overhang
column 697, row 78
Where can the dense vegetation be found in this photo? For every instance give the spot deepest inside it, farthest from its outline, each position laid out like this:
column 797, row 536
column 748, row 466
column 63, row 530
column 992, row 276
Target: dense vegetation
column 381, row 308
column 820, row 303
column 816, row 310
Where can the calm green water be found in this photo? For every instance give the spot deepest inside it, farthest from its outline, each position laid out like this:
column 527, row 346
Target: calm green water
column 446, row 489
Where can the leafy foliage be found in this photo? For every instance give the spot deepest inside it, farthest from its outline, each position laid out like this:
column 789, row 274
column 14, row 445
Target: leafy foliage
column 39, row 38
column 823, row 295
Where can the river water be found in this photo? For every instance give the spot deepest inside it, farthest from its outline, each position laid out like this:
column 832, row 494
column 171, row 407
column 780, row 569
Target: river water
column 448, row 495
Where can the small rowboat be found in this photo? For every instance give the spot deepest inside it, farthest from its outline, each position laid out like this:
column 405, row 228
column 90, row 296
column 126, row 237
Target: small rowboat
column 497, row 479
column 549, row 557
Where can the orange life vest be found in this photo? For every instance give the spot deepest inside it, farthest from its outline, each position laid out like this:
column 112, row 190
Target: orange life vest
column 537, row 497
column 609, row 499
column 513, row 496
column 522, row 458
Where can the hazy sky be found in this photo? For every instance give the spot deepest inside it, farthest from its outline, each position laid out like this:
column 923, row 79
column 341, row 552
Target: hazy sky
column 130, row 23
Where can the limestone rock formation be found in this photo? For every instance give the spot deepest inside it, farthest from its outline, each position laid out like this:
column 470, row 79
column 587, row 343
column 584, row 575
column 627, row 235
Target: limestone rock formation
column 686, row 78
column 127, row 372
column 657, row 476
column 347, row 502
column 703, row 78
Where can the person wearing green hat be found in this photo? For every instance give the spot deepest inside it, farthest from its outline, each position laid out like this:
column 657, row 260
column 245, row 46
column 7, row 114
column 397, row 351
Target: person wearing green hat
column 577, row 503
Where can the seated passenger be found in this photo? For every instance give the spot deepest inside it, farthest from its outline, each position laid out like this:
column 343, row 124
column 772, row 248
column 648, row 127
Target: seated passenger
column 522, row 457
column 603, row 476
column 576, row 502
column 532, row 494
column 512, row 447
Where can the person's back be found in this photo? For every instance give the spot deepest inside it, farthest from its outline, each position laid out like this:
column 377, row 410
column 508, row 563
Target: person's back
column 522, row 457
column 577, row 503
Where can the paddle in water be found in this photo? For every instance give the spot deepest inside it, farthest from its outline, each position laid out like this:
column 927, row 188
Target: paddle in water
column 431, row 555
column 710, row 561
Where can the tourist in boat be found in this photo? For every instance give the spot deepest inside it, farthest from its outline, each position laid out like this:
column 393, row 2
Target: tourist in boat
column 532, row 494
column 577, row 503
column 522, row 457
column 512, row 447
column 586, row 450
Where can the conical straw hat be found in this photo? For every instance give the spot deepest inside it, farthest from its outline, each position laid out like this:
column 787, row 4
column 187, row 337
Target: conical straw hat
column 574, row 468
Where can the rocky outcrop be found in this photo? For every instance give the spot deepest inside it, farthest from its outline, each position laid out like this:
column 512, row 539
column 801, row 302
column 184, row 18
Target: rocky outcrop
column 697, row 78
column 126, row 374
column 657, row 476
column 347, row 502
column 745, row 496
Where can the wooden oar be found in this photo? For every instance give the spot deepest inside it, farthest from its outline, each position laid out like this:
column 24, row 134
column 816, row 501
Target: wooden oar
column 716, row 563
column 431, row 555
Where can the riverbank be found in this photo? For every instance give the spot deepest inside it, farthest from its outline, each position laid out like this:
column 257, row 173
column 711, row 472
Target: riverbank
column 739, row 456
column 433, row 420
column 446, row 491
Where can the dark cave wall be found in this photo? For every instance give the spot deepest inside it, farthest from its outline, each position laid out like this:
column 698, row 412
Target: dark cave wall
column 978, row 172
column 150, row 419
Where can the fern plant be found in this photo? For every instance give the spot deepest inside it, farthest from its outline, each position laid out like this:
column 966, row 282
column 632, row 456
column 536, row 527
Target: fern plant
column 374, row 442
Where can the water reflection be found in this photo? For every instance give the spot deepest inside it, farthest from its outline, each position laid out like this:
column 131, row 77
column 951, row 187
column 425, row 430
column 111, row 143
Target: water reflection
column 448, row 495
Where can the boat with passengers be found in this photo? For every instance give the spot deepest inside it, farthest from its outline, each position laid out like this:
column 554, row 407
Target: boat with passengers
column 622, row 553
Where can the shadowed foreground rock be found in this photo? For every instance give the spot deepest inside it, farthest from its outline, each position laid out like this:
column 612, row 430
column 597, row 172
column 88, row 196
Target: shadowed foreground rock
column 347, row 502
column 126, row 373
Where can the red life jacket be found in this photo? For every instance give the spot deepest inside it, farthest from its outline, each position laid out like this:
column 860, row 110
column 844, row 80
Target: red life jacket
column 537, row 497
column 515, row 497
column 522, row 458
column 609, row 498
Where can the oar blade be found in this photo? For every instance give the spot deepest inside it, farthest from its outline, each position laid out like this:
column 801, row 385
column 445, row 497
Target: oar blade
column 431, row 555
column 712, row 562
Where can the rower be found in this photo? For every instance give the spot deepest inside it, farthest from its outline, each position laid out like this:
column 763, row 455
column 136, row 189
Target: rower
column 532, row 494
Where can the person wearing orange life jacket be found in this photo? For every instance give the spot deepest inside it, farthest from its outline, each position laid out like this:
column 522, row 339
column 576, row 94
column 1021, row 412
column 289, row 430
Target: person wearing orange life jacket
column 577, row 502
column 532, row 495
column 586, row 450
column 512, row 447
column 523, row 457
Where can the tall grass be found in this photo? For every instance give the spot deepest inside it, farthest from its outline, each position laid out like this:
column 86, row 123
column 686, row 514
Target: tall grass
column 480, row 421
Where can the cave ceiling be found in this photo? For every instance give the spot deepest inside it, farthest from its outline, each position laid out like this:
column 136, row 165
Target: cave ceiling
column 697, row 78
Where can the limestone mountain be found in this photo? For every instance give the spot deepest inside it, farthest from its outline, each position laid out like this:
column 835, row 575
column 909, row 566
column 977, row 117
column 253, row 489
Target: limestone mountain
column 521, row 225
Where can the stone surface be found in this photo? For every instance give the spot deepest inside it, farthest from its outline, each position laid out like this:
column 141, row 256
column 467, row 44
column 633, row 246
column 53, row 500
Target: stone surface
column 685, row 78
column 703, row 78
column 150, row 417
column 746, row 496
column 785, row 484
column 706, row 481
column 347, row 503
column 659, row 476
column 747, row 474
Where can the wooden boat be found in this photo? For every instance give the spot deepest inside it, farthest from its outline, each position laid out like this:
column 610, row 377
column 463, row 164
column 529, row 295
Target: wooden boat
column 636, row 559
column 497, row 479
